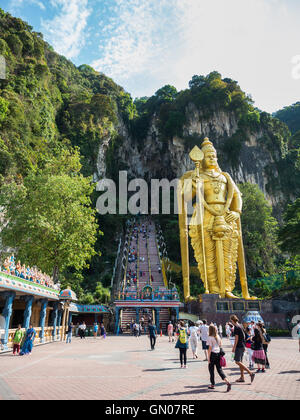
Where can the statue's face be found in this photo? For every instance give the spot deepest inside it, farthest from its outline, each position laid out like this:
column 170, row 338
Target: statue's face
column 210, row 160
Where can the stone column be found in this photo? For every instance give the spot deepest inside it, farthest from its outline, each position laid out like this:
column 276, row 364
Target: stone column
column 28, row 311
column 43, row 314
column 54, row 317
column 59, row 323
column 177, row 314
column 7, row 312
column 137, row 316
column 157, row 320
column 117, row 320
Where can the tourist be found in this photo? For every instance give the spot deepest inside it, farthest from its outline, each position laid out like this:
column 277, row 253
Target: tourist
column 258, row 356
column 69, row 333
column 248, row 341
column 252, row 326
column 227, row 330
column 170, row 332
column 182, row 344
column 265, row 341
column 239, row 348
column 29, row 340
column 81, row 330
column 214, row 357
column 204, row 338
column 17, row 339
column 95, row 329
column 152, row 334
column 220, row 331
column 193, row 332
column 102, row 331
column 298, row 332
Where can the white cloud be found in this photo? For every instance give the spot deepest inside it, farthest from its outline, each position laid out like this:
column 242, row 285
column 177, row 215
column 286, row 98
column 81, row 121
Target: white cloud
column 16, row 4
column 66, row 31
column 151, row 43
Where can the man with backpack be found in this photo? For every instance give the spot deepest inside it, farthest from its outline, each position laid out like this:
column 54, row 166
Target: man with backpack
column 182, row 344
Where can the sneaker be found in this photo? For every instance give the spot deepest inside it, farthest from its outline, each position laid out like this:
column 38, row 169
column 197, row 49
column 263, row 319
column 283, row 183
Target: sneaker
column 258, row 370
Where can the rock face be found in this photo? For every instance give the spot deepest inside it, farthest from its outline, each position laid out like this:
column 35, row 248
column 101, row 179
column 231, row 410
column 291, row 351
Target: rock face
column 153, row 158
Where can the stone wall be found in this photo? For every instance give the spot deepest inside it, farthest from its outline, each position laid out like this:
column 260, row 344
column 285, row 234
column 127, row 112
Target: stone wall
column 214, row 309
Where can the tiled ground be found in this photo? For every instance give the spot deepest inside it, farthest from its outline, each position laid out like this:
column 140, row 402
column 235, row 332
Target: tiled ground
column 125, row 368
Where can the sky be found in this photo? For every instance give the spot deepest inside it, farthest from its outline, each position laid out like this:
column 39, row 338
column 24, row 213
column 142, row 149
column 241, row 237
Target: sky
column 145, row 44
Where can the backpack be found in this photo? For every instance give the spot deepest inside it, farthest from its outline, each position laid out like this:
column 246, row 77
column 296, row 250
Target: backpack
column 182, row 336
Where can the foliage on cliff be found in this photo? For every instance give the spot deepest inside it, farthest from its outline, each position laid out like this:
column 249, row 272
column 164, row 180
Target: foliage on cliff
column 48, row 107
column 290, row 115
column 46, row 103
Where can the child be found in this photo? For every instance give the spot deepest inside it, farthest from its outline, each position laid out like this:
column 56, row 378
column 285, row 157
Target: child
column 17, row 340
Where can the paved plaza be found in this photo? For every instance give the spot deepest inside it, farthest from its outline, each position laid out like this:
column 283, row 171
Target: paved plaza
column 124, row 368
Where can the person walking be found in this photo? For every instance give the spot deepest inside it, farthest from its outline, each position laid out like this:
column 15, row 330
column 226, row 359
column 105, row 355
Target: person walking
column 95, row 329
column 102, row 331
column 69, row 333
column 265, row 341
column 239, row 348
column 81, row 330
column 258, row 356
column 170, row 332
column 152, row 334
column 220, row 331
column 204, row 338
column 17, row 340
column 182, row 344
column 193, row 332
column 29, row 340
column 248, row 340
column 214, row 357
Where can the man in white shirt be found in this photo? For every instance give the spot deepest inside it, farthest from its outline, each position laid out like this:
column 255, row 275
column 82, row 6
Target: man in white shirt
column 204, row 337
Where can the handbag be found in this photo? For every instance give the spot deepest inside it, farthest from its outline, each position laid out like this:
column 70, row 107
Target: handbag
column 222, row 361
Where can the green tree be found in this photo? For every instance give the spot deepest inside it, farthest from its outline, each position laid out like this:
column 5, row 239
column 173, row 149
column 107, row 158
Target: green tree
column 49, row 219
column 102, row 294
column 289, row 233
column 259, row 232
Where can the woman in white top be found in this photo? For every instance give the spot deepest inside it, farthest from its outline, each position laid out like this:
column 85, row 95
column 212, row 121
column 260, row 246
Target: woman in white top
column 193, row 332
column 214, row 342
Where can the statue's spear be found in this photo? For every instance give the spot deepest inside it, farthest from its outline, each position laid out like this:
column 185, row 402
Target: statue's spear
column 197, row 156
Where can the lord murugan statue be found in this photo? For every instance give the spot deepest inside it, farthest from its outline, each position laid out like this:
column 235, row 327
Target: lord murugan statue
column 214, row 227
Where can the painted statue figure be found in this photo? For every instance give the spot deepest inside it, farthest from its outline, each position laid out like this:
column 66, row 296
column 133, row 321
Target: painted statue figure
column 215, row 226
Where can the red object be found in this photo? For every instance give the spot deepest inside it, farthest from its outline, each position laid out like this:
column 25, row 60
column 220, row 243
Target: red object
column 222, row 361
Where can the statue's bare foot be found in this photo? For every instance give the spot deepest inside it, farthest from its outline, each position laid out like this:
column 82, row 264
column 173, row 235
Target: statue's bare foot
column 231, row 295
column 248, row 297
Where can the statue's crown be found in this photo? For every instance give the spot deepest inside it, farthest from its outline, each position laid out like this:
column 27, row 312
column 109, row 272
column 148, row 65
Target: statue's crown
column 207, row 146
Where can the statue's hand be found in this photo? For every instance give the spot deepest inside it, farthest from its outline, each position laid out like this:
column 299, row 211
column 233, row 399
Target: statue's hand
column 231, row 216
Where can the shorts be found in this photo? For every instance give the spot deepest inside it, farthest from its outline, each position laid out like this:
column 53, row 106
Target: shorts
column 204, row 345
column 239, row 353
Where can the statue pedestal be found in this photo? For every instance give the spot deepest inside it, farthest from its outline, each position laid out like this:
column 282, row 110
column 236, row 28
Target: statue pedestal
column 215, row 309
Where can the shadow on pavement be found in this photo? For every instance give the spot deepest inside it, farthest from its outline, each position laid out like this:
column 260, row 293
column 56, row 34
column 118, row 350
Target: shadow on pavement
column 289, row 371
column 160, row 370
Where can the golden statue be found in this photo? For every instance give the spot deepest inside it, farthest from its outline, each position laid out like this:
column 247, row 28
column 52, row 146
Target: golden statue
column 215, row 226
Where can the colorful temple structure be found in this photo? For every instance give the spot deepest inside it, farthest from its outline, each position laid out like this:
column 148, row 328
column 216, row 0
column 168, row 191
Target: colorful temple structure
column 49, row 310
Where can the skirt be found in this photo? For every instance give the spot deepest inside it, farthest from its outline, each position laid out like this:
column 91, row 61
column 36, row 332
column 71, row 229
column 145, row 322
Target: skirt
column 259, row 357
